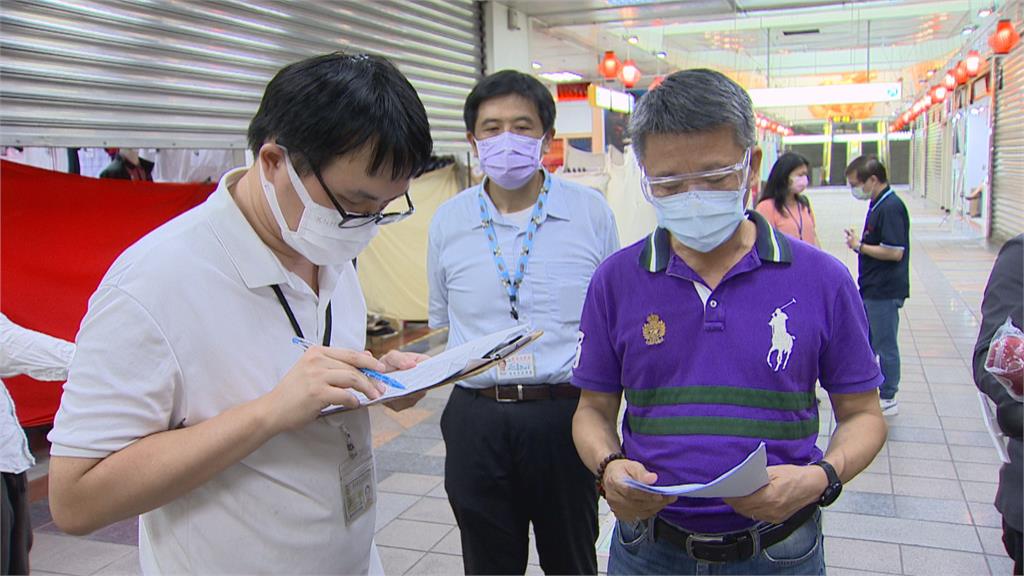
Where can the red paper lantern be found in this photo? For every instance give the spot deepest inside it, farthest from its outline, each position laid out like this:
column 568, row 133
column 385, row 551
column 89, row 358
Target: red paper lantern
column 949, row 80
column 1004, row 38
column 973, row 63
column 960, row 72
column 939, row 94
column 610, row 65
column 629, row 74
column 656, row 82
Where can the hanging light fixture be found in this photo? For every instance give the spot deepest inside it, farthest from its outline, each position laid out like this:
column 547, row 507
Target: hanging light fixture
column 629, row 74
column 1004, row 38
column 960, row 72
column 939, row 94
column 610, row 65
column 949, row 80
column 973, row 63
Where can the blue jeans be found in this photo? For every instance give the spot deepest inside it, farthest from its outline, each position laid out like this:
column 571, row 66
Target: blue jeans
column 884, row 327
column 633, row 552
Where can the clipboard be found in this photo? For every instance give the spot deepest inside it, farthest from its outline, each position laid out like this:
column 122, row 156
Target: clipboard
column 474, row 366
column 495, row 356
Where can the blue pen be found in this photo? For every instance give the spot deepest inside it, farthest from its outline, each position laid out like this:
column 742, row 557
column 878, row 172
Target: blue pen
column 306, row 344
column 383, row 378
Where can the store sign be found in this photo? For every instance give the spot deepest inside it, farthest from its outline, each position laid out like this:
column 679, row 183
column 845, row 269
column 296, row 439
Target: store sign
column 574, row 92
column 610, row 99
column 824, row 95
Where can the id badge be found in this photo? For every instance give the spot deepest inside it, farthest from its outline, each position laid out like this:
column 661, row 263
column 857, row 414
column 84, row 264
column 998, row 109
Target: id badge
column 516, row 367
column 358, row 488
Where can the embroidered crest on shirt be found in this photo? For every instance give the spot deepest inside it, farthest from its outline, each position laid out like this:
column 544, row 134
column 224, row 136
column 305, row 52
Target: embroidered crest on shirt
column 654, row 330
column 782, row 340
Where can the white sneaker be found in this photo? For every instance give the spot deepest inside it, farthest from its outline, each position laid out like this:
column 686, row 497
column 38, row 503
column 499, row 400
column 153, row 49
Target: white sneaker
column 890, row 407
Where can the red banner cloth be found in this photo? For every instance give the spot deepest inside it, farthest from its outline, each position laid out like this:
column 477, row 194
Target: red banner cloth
column 59, row 233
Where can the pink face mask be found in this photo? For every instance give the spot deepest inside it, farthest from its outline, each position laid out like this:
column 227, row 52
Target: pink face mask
column 798, row 184
column 510, row 159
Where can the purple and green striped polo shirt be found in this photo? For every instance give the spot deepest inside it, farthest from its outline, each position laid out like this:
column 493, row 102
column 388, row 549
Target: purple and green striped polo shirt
column 707, row 375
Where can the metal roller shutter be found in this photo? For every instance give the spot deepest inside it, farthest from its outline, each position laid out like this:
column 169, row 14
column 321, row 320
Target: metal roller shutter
column 1008, row 156
column 190, row 73
column 918, row 162
column 933, row 158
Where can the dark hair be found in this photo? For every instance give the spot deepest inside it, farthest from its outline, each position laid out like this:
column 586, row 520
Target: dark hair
column 867, row 166
column 336, row 104
column 692, row 102
column 777, row 187
column 508, row 82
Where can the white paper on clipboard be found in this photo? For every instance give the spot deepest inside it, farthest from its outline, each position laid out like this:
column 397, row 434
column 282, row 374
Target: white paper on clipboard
column 449, row 365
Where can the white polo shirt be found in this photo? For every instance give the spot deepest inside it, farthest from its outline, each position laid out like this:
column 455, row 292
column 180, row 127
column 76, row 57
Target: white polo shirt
column 185, row 325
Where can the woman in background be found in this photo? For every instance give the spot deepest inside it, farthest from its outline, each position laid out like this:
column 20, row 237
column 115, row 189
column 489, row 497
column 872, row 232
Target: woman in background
column 783, row 202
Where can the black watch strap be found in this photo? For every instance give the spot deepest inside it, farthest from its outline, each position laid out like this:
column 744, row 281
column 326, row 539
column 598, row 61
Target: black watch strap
column 835, row 485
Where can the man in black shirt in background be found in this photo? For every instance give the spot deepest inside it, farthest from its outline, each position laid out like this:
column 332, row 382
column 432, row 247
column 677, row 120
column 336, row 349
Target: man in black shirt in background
column 883, row 250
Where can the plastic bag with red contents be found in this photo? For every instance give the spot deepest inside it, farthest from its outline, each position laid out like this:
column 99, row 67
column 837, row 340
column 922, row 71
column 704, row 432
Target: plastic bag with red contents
column 1005, row 359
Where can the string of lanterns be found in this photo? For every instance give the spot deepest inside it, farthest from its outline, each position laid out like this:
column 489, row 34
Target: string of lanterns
column 1002, row 41
column 610, row 68
column 768, row 125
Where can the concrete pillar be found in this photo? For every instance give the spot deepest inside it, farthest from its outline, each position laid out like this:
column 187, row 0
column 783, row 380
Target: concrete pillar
column 506, row 39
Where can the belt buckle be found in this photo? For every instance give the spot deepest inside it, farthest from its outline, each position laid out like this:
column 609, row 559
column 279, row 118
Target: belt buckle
column 517, row 398
column 702, row 538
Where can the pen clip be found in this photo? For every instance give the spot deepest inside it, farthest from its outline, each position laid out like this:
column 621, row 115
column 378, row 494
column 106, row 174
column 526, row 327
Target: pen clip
column 503, row 348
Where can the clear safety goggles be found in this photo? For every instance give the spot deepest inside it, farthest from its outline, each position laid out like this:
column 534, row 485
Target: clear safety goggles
column 729, row 178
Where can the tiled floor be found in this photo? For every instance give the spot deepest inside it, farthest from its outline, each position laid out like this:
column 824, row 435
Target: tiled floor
column 923, row 507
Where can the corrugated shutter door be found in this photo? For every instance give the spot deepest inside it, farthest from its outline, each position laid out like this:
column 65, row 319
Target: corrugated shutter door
column 933, row 158
column 190, row 73
column 919, row 158
column 1008, row 158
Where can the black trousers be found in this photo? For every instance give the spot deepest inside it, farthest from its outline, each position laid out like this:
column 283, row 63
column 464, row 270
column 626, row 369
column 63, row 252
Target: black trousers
column 512, row 464
column 1013, row 541
column 16, row 524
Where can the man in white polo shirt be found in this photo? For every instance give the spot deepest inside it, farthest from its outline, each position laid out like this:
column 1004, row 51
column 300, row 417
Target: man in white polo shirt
column 187, row 401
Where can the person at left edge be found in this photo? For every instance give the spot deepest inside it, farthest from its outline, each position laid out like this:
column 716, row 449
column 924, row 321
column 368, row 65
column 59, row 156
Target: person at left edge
column 517, row 249
column 186, row 401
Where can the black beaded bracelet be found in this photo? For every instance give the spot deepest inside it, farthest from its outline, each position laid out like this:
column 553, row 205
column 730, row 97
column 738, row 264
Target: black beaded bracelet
column 599, row 477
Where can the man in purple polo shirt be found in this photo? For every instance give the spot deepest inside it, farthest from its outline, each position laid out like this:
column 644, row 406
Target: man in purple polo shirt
column 716, row 328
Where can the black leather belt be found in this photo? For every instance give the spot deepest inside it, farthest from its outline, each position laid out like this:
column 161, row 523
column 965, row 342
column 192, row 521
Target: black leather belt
column 528, row 392
column 735, row 546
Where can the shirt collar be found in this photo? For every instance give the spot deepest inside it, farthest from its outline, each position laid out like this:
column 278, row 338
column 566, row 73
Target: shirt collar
column 255, row 263
column 770, row 244
column 557, row 207
column 880, row 197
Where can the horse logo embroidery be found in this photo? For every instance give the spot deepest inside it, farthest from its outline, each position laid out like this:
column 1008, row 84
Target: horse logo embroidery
column 654, row 330
column 782, row 341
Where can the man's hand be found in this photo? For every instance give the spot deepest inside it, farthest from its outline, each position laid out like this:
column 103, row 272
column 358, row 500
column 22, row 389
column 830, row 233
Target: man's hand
column 628, row 503
column 852, row 242
column 789, row 489
column 323, row 376
column 395, row 360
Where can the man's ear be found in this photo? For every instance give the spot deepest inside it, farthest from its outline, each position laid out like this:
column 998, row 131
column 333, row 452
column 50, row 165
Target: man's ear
column 472, row 144
column 271, row 159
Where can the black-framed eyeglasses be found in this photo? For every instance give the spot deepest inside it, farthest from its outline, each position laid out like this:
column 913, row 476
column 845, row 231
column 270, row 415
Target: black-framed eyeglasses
column 350, row 220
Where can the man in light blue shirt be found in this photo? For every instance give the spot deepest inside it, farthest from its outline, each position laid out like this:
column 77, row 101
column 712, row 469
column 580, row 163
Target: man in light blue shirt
column 518, row 249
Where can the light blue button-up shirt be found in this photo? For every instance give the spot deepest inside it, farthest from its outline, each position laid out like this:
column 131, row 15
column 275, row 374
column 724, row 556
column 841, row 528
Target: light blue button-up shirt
column 577, row 233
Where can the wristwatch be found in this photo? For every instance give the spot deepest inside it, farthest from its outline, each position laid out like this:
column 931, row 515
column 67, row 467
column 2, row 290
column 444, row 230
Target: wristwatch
column 835, row 485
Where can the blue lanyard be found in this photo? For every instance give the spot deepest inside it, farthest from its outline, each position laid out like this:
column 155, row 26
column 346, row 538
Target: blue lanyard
column 512, row 283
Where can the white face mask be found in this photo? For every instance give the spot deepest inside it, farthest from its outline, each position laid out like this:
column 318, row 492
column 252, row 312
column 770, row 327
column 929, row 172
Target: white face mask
column 860, row 193
column 319, row 237
column 701, row 219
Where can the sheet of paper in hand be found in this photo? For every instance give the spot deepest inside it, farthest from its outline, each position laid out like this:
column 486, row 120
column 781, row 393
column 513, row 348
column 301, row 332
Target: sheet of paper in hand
column 746, row 478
